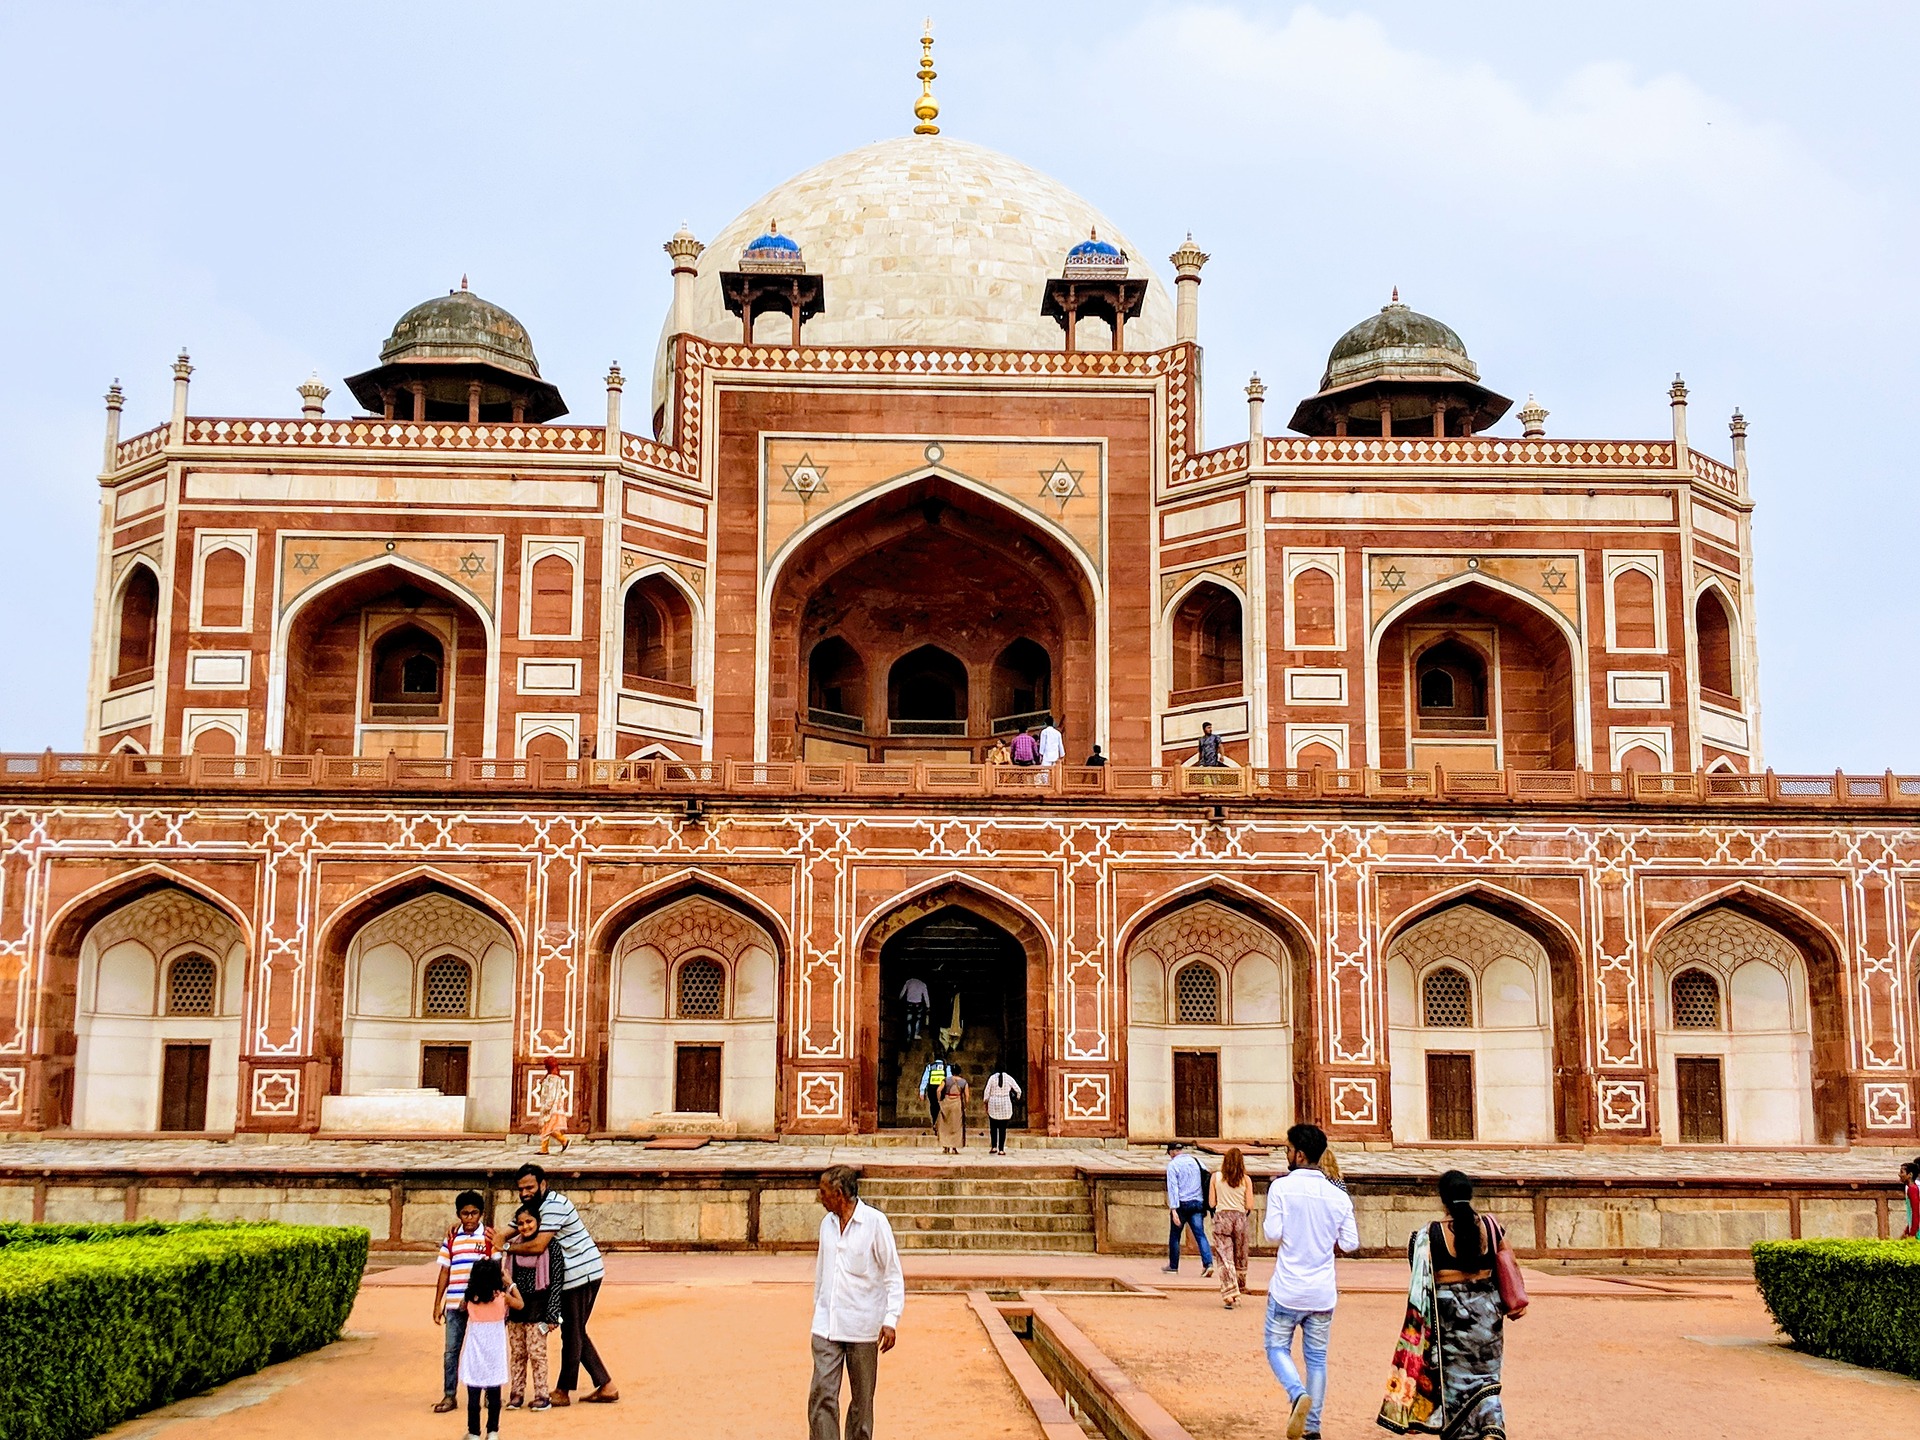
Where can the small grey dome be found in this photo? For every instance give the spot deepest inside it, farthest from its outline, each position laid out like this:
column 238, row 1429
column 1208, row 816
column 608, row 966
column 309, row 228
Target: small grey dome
column 1398, row 343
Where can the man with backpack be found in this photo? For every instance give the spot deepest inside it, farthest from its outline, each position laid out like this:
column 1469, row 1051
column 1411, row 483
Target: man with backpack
column 932, row 1080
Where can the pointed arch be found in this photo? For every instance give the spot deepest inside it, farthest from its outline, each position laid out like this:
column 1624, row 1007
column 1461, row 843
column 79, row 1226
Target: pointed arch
column 1759, row 904
column 1149, row 1052
column 278, row 662
column 1566, row 976
column 351, row 914
column 1579, row 701
column 69, row 924
column 136, row 615
column 1017, row 921
column 604, row 934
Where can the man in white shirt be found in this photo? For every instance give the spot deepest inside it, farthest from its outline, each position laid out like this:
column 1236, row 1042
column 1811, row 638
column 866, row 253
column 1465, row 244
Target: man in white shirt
column 918, row 1002
column 858, row 1293
column 1308, row 1216
column 1053, row 746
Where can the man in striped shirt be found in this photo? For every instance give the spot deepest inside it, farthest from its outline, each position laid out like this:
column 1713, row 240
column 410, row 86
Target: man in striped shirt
column 560, row 1224
column 466, row 1242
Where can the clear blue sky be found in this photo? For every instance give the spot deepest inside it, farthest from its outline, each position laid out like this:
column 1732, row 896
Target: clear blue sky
column 1595, row 197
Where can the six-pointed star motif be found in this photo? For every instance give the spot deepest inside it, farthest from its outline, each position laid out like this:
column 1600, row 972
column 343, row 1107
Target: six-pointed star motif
column 1393, row 578
column 473, row 564
column 806, row 479
column 1554, row 579
column 1061, row 483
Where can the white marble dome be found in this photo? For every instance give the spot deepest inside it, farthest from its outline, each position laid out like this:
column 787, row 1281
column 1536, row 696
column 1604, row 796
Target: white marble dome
column 924, row 240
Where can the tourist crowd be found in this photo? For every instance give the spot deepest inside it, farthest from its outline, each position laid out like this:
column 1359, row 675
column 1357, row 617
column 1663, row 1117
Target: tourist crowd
column 1445, row 1375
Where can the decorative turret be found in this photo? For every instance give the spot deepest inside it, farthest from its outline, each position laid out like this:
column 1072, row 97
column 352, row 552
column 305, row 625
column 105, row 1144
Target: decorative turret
column 772, row 279
column 1094, row 284
column 457, row 357
column 1187, row 261
column 1399, row 373
column 1533, row 419
column 313, row 397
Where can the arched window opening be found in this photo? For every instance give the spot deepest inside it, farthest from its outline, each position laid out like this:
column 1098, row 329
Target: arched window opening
column 191, row 985
column 837, row 686
column 1196, row 995
column 408, row 675
column 1206, row 640
column 1636, row 624
column 1696, row 1001
column 446, row 988
column 1022, row 686
column 927, row 694
column 658, row 635
column 1639, row 760
column 1446, row 1000
column 139, row 616
column 700, row 993
column 550, row 605
column 1314, row 620
column 1450, row 689
column 1713, row 626
column 1316, row 756
column 223, row 589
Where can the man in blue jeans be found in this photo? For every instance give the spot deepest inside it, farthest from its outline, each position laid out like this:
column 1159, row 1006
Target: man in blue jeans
column 1187, row 1205
column 1307, row 1216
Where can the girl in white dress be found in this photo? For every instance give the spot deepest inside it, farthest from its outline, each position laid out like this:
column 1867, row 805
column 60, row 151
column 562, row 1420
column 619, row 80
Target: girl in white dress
column 483, row 1355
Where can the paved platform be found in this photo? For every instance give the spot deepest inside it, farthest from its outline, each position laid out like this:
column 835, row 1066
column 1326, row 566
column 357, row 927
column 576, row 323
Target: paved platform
column 330, row 1156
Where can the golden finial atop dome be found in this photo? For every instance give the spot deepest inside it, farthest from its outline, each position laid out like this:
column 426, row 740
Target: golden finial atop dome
column 926, row 109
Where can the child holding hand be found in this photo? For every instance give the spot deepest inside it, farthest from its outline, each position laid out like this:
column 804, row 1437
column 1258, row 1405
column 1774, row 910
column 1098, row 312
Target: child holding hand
column 483, row 1355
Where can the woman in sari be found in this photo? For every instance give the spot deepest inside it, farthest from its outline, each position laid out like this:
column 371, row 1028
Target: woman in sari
column 1446, row 1368
column 952, row 1128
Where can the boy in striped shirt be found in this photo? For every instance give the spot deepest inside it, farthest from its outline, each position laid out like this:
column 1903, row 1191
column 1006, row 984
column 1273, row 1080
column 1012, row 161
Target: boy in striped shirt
column 466, row 1242
column 560, row 1224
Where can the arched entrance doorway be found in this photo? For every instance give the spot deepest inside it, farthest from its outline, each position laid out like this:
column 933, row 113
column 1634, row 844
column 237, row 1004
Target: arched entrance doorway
column 922, row 624
column 983, row 964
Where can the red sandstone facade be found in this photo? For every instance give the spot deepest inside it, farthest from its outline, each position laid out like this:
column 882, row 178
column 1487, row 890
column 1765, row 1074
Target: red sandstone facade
column 616, row 709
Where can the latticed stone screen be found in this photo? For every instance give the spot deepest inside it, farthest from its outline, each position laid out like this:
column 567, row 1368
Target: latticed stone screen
column 190, row 983
column 1696, row 1001
column 448, row 987
column 1196, row 996
column 1447, row 999
column 702, row 990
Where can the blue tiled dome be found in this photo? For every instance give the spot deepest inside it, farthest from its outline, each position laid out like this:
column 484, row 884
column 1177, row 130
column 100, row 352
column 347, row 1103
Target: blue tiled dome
column 773, row 241
column 1093, row 247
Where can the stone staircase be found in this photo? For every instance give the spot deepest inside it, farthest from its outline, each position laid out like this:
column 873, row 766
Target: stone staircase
column 1045, row 1212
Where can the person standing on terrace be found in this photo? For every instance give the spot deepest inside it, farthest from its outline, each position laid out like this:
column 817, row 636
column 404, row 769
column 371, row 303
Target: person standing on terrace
column 1053, row 745
column 1208, row 753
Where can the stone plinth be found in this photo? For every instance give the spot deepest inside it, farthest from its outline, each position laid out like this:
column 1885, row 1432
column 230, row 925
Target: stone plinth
column 394, row 1112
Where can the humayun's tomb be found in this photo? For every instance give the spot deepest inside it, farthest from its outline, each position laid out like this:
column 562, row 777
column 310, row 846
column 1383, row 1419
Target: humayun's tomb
column 460, row 729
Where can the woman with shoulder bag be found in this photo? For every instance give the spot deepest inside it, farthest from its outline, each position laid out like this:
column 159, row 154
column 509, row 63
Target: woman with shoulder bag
column 1466, row 1285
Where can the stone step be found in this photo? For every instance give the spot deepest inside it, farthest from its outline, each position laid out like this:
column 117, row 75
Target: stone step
column 888, row 1186
column 1006, row 1241
column 991, row 1224
column 979, row 1204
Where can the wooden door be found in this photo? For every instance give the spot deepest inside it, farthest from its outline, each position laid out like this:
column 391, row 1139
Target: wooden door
column 1702, row 1103
column 696, row 1079
column 444, row 1068
column 1449, row 1097
column 1196, row 1094
column 183, row 1087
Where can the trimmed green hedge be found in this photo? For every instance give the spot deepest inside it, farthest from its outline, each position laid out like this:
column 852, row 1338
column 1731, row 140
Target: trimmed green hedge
column 100, row 1322
column 1854, row 1300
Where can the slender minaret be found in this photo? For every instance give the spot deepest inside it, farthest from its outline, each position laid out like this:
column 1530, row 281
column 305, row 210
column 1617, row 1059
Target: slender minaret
column 1677, row 397
column 313, row 398
column 616, row 382
column 1187, row 261
column 1256, row 417
column 685, row 251
column 116, row 400
column 177, row 427
column 1737, row 428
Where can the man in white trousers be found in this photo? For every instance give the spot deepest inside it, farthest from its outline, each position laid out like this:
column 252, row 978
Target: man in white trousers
column 858, row 1293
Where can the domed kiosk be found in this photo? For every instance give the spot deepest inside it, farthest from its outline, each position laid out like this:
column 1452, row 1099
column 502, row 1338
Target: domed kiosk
column 458, row 357
column 1399, row 372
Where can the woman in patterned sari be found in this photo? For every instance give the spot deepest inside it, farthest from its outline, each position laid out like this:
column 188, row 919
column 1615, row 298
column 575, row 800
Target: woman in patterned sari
column 1446, row 1368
